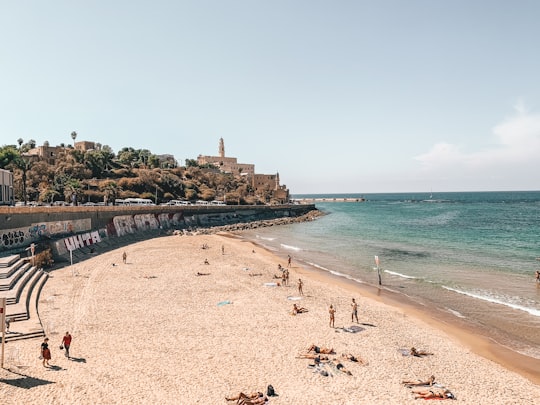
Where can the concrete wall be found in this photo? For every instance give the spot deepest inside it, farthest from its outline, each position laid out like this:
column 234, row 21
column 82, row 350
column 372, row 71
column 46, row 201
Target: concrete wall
column 82, row 226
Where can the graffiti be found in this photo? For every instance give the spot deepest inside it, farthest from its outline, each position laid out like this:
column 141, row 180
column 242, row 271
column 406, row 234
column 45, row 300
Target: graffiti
column 60, row 227
column 124, row 225
column 85, row 239
column 12, row 238
column 36, row 231
column 146, row 222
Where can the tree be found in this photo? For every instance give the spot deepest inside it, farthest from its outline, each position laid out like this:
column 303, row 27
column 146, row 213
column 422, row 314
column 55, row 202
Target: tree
column 74, row 136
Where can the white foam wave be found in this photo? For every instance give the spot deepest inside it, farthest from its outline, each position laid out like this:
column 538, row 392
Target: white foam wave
column 532, row 311
column 398, row 274
column 289, row 247
column 264, row 238
column 335, row 273
column 455, row 313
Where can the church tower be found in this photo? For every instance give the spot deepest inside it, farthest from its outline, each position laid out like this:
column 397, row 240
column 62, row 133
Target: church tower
column 221, row 148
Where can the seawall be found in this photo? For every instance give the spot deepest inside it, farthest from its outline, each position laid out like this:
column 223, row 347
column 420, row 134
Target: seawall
column 68, row 229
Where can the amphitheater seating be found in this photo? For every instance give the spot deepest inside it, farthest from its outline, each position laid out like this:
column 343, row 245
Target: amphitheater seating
column 21, row 284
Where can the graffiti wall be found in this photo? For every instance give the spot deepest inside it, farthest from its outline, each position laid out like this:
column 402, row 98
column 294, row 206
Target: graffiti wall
column 124, row 224
column 146, row 222
column 20, row 237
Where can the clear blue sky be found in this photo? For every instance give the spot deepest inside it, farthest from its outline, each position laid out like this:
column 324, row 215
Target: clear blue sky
column 336, row 96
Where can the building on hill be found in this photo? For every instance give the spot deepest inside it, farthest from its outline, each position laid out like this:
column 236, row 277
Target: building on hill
column 6, row 187
column 84, row 146
column 263, row 184
column 227, row 164
column 45, row 153
column 269, row 183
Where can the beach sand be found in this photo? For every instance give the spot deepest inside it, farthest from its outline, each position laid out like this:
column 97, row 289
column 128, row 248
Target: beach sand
column 151, row 331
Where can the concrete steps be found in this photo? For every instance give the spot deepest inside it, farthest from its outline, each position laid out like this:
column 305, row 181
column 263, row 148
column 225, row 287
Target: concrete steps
column 21, row 290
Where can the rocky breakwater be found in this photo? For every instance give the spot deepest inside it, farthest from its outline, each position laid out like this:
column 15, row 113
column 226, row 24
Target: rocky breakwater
column 309, row 216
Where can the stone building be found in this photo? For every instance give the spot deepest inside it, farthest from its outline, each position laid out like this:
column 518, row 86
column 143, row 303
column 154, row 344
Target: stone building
column 6, row 187
column 261, row 183
column 227, row 164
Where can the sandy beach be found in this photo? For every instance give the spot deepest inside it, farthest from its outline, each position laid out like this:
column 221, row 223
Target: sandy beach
column 152, row 331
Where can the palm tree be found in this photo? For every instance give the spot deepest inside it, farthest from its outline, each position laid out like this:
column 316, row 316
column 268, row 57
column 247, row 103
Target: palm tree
column 74, row 136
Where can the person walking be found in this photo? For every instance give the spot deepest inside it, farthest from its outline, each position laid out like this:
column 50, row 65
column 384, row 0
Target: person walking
column 66, row 343
column 45, row 352
column 300, row 287
column 124, row 257
column 332, row 312
column 8, row 323
column 354, row 313
column 289, row 259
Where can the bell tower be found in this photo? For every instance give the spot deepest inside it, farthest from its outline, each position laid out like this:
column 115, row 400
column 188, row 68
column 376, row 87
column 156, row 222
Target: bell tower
column 221, row 148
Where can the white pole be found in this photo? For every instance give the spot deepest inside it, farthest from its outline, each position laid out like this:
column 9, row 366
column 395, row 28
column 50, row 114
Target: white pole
column 3, row 320
column 71, row 258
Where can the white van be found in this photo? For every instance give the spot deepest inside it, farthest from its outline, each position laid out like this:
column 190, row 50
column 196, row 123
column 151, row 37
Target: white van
column 138, row 201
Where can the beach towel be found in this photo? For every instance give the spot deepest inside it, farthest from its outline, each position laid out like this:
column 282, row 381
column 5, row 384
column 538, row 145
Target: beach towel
column 293, row 298
column 270, row 284
column 220, row 304
column 352, row 329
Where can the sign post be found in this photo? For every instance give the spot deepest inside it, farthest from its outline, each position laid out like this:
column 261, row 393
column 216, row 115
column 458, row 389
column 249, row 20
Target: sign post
column 378, row 269
column 3, row 323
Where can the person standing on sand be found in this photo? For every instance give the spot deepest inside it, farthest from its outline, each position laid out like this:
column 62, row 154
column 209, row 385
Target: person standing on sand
column 537, row 276
column 8, row 323
column 354, row 314
column 124, row 257
column 222, row 249
column 300, row 286
column 332, row 312
column 45, row 352
column 66, row 342
column 289, row 259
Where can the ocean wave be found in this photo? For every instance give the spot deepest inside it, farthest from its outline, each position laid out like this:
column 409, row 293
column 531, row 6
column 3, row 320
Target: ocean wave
column 398, row 274
column 288, row 247
column 335, row 273
column 264, row 238
column 532, row 311
column 455, row 313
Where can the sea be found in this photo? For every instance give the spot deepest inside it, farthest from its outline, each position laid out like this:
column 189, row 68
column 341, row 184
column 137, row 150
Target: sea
column 472, row 256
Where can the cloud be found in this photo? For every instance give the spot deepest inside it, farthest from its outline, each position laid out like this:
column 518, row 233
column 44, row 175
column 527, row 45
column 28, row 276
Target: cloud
column 515, row 150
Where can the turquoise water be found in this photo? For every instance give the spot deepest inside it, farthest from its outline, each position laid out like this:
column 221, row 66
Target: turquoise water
column 471, row 255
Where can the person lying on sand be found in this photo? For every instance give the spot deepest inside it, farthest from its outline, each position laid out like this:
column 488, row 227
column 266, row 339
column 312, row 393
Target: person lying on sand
column 418, row 383
column 313, row 356
column 298, row 310
column 254, row 398
column 340, row 367
column 434, row 393
column 323, row 350
column 202, row 274
column 352, row 358
column 206, row 261
column 255, row 274
column 419, row 353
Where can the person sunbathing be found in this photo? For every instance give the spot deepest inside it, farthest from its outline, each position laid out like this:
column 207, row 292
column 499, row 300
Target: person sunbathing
column 418, row 383
column 252, row 395
column 434, row 393
column 323, row 350
column 352, row 358
column 298, row 310
column 419, row 353
column 341, row 367
column 202, row 274
column 313, row 356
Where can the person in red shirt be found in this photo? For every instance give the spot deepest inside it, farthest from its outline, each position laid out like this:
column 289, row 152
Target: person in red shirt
column 66, row 342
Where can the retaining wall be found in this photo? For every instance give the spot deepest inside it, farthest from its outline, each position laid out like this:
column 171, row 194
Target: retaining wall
column 70, row 228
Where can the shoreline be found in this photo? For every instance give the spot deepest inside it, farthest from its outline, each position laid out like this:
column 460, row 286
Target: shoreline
column 149, row 330
column 465, row 333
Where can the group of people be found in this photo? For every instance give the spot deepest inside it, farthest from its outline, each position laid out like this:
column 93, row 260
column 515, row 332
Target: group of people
column 430, row 389
column 354, row 313
column 45, row 352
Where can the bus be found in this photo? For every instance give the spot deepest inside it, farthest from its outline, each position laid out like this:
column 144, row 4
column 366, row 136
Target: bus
column 138, row 201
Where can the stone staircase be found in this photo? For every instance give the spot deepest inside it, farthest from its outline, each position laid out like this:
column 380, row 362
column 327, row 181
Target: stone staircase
column 21, row 284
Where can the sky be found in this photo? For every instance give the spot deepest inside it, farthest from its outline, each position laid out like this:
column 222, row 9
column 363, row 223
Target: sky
column 335, row 96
